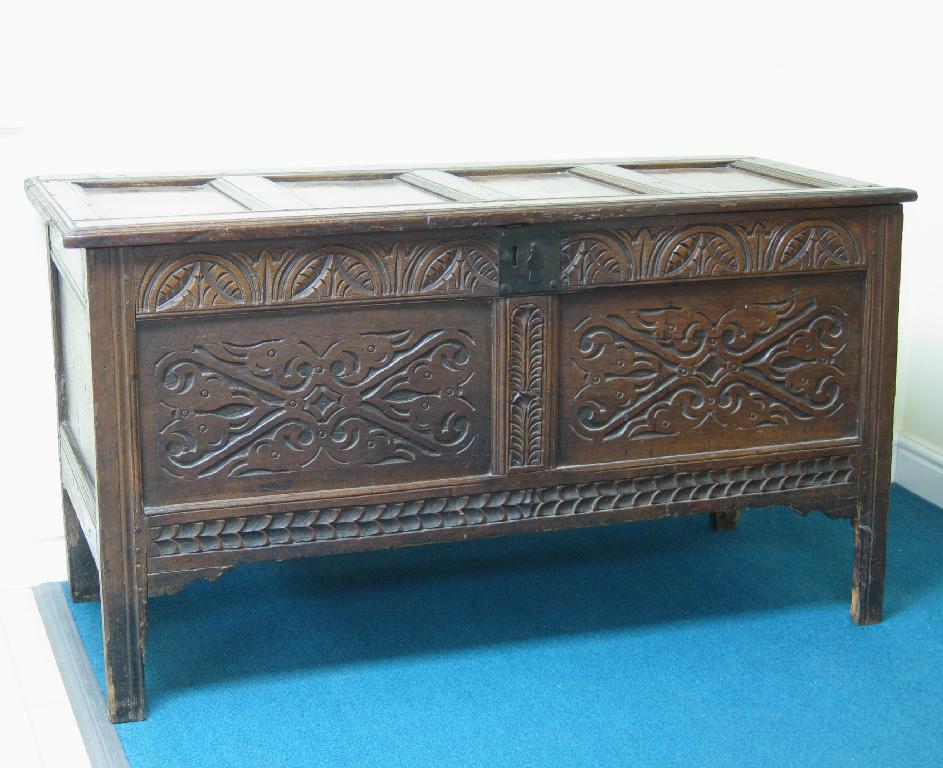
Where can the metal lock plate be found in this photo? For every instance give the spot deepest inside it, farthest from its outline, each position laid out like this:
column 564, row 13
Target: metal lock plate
column 529, row 260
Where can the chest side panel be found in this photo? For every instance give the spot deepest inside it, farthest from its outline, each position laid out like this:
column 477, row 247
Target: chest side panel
column 76, row 373
column 312, row 400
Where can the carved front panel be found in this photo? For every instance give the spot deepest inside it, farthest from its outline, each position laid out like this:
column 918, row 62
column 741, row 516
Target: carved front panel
column 317, row 272
column 714, row 247
column 673, row 370
column 315, row 400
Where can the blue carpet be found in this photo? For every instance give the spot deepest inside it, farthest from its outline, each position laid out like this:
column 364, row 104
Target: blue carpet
column 651, row 644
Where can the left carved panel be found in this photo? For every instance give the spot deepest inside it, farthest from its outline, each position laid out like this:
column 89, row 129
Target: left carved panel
column 324, row 399
column 316, row 272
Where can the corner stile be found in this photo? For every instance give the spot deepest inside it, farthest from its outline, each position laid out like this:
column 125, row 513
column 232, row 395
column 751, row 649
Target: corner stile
column 122, row 534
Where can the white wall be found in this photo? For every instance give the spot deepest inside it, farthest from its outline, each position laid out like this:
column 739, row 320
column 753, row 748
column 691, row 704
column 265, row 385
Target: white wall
column 838, row 86
column 918, row 463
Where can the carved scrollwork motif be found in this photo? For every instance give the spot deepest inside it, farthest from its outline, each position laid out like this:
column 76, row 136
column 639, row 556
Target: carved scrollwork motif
column 595, row 257
column 328, row 272
column 282, row 405
column 671, row 370
column 526, row 385
column 350, row 522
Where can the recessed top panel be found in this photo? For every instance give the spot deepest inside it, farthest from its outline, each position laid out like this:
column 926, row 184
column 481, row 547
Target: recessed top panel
column 359, row 194
column 113, row 202
column 105, row 211
column 720, row 179
column 540, row 186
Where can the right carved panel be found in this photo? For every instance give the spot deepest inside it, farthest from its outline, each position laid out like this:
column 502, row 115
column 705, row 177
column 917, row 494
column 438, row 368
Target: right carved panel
column 665, row 371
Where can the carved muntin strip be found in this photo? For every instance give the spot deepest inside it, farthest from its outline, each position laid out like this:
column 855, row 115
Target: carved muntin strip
column 527, row 424
column 499, row 392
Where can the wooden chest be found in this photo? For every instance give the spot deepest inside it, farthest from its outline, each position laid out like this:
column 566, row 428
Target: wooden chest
column 265, row 366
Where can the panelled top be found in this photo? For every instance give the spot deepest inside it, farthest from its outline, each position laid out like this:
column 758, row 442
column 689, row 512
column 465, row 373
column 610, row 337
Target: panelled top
column 124, row 210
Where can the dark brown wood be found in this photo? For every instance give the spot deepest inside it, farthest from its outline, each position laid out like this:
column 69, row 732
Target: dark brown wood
column 823, row 480
column 83, row 573
column 725, row 519
column 867, row 590
column 277, row 365
column 661, row 372
column 123, row 572
column 252, row 404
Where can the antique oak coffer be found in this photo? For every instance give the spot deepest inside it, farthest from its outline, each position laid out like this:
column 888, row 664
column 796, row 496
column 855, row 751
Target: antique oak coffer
column 264, row 366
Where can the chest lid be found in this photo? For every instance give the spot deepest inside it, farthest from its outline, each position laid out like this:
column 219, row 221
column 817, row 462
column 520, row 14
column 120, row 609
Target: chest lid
column 135, row 210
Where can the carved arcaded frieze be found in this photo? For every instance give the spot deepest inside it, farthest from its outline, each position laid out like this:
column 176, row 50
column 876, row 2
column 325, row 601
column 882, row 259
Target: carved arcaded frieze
column 622, row 255
column 321, row 273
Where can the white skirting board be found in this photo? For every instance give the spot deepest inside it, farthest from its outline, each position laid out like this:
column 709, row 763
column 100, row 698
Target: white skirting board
column 100, row 737
column 918, row 468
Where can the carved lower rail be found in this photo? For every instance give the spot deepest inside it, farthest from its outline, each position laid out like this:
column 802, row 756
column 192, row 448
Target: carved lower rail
column 482, row 509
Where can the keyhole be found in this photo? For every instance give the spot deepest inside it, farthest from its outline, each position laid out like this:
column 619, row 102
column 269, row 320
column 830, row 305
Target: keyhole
column 514, row 256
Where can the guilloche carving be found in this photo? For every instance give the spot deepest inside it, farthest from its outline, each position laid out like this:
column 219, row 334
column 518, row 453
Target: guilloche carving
column 386, row 519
